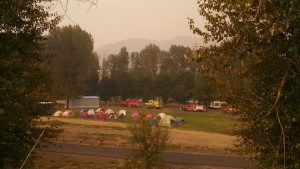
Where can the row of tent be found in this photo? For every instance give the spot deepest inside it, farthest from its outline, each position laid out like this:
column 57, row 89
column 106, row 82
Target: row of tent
column 150, row 118
column 99, row 113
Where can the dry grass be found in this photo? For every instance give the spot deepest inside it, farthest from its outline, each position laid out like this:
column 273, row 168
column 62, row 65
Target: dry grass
column 49, row 160
column 105, row 133
column 97, row 132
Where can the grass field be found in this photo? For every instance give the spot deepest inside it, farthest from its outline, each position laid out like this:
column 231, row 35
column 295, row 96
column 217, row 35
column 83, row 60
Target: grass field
column 210, row 121
column 203, row 132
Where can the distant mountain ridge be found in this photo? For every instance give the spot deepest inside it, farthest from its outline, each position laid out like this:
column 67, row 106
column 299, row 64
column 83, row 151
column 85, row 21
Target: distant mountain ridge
column 136, row 45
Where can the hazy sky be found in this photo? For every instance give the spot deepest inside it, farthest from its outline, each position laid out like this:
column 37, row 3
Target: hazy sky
column 114, row 20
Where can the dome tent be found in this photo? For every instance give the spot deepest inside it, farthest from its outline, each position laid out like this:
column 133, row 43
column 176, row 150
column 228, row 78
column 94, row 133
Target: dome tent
column 58, row 113
column 91, row 112
column 68, row 113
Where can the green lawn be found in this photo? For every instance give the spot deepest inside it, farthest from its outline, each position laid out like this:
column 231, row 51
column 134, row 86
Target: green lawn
column 210, row 121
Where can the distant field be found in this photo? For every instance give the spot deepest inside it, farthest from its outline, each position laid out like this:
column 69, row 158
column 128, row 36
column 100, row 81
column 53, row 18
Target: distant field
column 210, row 121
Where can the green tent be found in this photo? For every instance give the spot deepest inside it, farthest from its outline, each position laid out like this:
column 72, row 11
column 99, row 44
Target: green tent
column 166, row 121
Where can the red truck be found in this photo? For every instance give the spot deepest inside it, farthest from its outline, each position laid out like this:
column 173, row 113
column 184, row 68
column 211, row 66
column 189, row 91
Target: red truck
column 130, row 103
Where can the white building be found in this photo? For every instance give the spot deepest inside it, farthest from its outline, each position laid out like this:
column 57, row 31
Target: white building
column 84, row 102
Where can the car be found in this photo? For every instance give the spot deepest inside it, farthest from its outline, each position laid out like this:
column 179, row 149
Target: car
column 229, row 109
column 193, row 107
column 188, row 107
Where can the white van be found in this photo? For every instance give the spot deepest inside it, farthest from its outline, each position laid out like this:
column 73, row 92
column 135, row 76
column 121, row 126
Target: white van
column 216, row 104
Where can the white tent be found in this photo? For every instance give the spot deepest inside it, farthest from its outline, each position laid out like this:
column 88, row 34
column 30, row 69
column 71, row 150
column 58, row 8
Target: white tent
column 122, row 112
column 68, row 113
column 109, row 111
column 110, row 114
column 160, row 115
column 91, row 112
column 99, row 110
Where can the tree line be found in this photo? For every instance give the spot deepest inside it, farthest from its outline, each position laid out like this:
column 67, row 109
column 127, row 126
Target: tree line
column 152, row 73
column 147, row 74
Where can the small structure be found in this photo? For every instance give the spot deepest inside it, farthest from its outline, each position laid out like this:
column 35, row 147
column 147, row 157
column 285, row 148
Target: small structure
column 85, row 101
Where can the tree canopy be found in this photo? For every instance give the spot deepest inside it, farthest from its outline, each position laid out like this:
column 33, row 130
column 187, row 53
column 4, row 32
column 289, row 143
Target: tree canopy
column 73, row 61
column 255, row 60
column 152, row 73
column 23, row 77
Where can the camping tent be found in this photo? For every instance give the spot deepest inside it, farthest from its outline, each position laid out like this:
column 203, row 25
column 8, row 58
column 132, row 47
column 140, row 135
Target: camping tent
column 68, row 113
column 58, row 113
column 100, row 115
column 166, row 120
column 135, row 116
column 91, row 112
column 110, row 113
column 170, row 121
column 121, row 113
column 99, row 110
column 84, row 112
column 179, row 121
column 160, row 116
column 149, row 116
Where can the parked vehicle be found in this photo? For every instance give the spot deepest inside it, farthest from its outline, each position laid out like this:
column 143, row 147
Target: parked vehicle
column 130, row 103
column 201, row 107
column 155, row 104
column 193, row 107
column 229, row 109
column 188, row 107
column 216, row 104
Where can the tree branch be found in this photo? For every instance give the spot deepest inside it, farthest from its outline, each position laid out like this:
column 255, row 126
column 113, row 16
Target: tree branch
column 258, row 10
column 283, row 136
column 36, row 142
column 279, row 94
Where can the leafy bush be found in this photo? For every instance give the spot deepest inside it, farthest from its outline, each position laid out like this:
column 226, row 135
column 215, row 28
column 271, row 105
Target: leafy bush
column 148, row 142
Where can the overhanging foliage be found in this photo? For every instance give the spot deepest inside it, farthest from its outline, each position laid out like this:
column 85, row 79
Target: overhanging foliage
column 256, row 63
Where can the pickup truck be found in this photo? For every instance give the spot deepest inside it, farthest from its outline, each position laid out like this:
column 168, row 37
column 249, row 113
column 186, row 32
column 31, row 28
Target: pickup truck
column 130, row 103
column 155, row 104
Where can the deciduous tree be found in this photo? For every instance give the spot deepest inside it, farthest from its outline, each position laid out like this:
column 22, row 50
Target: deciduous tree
column 149, row 57
column 23, row 77
column 92, row 81
column 106, row 88
column 163, row 85
column 183, row 86
column 72, row 62
column 256, row 61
